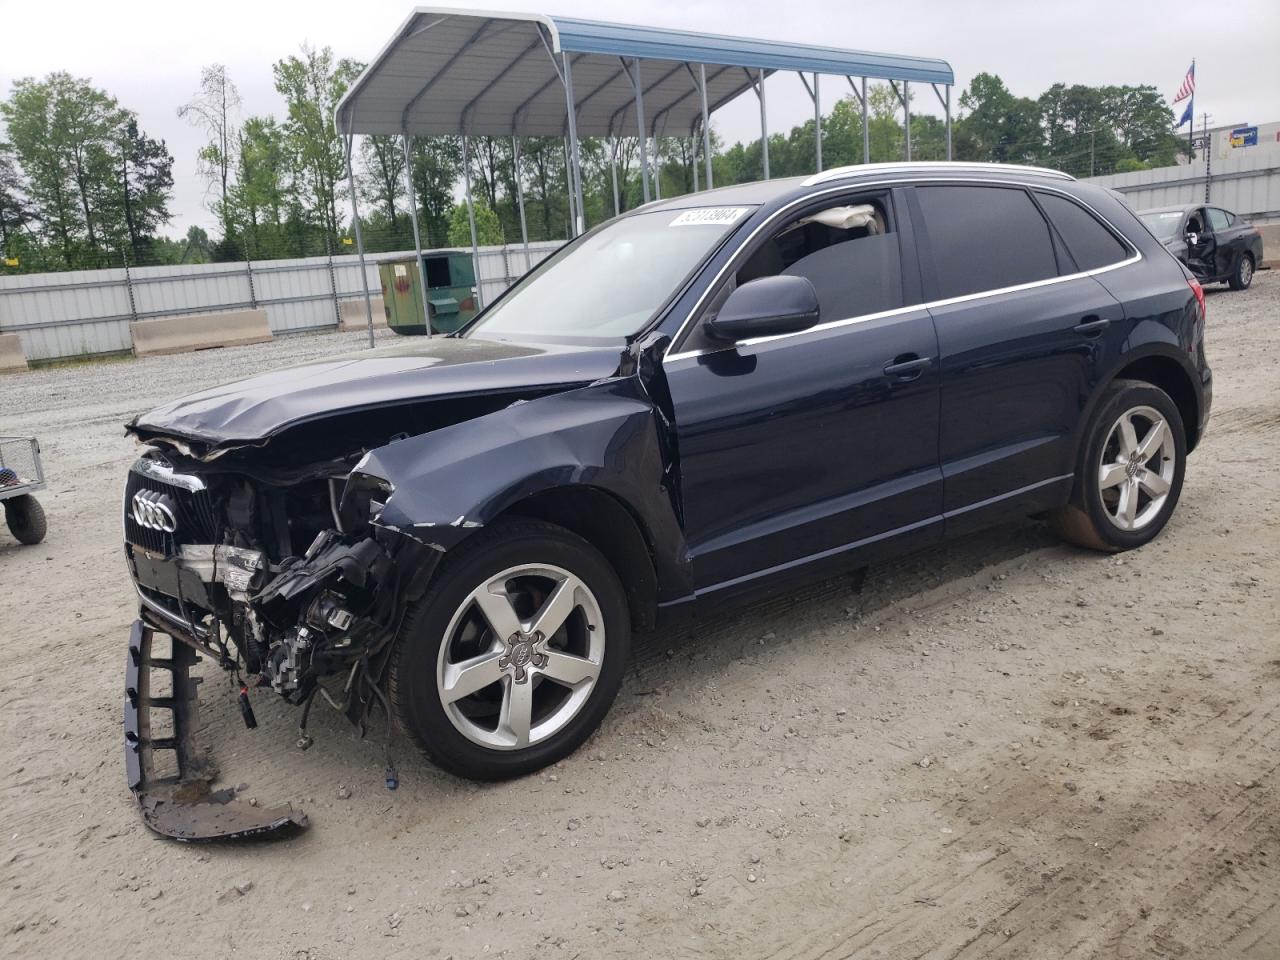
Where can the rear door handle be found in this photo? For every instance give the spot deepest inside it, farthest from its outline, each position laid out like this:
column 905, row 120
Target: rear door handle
column 906, row 367
column 1092, row 325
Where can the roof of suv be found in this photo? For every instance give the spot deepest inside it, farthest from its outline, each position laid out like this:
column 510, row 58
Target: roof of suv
column 762, row 191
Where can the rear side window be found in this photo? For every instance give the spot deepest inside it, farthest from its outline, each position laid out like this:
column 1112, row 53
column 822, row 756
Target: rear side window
column 1090, row 243
column 985, row 238
column 1218, row 219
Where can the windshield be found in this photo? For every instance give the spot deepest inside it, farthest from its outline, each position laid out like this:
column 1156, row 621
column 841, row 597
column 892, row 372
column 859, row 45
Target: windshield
column 610, row 283
column 1163, row 223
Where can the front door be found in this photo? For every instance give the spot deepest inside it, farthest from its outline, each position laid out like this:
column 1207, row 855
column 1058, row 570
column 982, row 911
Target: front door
column 813, row 444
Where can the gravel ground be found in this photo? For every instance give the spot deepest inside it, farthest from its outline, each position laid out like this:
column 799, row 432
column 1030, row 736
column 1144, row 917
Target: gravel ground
column 1002, row 748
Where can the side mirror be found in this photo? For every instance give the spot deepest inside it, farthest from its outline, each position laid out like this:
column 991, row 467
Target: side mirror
column 764, row 307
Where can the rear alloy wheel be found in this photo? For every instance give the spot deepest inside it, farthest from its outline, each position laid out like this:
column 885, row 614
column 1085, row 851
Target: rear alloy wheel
column 1130, row 474
column 1243, row 275
column 516, row 653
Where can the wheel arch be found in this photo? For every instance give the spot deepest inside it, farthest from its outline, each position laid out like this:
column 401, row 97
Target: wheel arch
column 1161, row 366
column 1163, row 371
column 610, row 526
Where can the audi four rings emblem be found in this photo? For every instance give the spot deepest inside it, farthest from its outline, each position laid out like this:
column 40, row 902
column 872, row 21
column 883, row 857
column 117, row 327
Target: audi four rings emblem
column 155, row 511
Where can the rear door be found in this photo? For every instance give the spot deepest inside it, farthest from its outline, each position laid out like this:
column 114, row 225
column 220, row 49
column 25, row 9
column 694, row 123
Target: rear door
column 1023, row 334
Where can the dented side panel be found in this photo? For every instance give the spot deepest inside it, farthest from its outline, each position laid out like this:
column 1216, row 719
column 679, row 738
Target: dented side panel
column 606, row 435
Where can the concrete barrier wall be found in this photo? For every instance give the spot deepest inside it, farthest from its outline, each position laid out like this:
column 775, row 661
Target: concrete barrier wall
column 12, row 359
column 1270, row 243
column 199, row 331
column 354, row 318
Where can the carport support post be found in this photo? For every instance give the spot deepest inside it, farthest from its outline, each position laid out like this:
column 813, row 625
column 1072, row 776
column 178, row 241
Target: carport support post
column 906, row 111
column 644, row 144
column 706, row 121
column 866, row 130
column 471, row 217
column 816, row 96
column 613, row 174
column 524, row 226
column 764, row 126
column 407, row 143
column 948, row 111
column 817, row 122
column 355, row 219
column 571, row 109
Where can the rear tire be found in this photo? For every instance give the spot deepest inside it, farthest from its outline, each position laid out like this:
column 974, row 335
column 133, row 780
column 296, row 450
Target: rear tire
column 1242, row 276
column 25, row 518
column 1129, row 475
column 479, row 687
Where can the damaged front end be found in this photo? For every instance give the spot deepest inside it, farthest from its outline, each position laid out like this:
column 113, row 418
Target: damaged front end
column 220, row 566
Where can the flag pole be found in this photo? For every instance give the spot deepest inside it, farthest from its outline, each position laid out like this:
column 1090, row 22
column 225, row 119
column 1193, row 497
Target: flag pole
column 1191, row 127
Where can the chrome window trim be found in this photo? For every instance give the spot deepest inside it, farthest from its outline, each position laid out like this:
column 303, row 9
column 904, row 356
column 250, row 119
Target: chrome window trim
column 1135, row 256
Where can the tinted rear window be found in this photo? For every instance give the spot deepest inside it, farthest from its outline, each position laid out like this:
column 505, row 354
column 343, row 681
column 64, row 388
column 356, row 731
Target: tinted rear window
column 1090, row 243
column 985, row 238
column 1218, row 219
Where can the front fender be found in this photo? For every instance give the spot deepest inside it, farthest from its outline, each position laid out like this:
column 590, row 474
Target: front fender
column 449, row 482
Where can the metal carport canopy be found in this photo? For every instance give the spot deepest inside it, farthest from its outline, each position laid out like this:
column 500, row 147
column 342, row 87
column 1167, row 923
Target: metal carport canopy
column 453, row 71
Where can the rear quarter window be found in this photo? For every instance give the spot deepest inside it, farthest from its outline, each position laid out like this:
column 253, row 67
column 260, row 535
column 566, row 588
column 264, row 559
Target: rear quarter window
column 1090, row 244
column 985, row 238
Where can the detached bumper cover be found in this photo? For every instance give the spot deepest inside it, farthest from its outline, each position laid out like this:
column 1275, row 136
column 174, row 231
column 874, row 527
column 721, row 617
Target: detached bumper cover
column 183, row 806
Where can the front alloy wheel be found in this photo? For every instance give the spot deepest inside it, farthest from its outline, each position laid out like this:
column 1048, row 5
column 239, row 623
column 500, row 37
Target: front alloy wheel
column 515, row 654
column 541, row 642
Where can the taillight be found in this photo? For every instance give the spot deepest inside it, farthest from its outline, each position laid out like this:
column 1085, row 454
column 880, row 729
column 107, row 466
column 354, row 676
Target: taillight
column 1198, row 290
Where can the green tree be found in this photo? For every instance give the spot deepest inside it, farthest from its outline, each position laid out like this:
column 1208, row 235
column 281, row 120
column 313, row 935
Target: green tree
column 488, row 226
column 997, row 126
column 437, row 164
column 145, row 175
column 382, row 182
column 16, row 212
column 312, row 84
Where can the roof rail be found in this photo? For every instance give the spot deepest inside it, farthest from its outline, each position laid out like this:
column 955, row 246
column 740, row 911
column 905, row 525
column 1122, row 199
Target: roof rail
column 839, row 173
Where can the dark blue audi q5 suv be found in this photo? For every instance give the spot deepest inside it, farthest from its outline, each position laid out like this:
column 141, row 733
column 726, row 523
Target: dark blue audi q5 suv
column 690, row 400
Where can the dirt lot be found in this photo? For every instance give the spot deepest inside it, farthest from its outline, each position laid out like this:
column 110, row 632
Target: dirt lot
column 1001, row 748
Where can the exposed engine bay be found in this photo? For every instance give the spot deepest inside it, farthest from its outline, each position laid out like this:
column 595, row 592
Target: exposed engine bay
column 282, row 579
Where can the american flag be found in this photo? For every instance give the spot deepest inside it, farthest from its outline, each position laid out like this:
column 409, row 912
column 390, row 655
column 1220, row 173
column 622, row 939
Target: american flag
column 1188, row 85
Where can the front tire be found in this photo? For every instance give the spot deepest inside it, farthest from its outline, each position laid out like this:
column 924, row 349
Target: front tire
column 515, row 654
column 1130, row 472
column 1242, row 276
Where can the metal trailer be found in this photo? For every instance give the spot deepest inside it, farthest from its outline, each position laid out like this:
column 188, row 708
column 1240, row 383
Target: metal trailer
column 468, row 73
column 21, row 475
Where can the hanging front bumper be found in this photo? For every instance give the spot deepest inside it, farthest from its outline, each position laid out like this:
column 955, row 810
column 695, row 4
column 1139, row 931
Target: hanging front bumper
column 183, row 805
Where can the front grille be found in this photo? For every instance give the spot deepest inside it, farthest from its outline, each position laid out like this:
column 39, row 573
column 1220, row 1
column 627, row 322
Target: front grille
column 193, row 511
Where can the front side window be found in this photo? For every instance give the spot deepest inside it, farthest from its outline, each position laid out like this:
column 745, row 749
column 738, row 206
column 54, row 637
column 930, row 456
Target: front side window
column 1218, row 219
column 612, row 282
column 985, row 238
column 1090, row 244
column 848, row 252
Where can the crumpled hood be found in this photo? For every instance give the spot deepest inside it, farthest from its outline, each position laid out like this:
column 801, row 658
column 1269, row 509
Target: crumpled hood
column 254, row 409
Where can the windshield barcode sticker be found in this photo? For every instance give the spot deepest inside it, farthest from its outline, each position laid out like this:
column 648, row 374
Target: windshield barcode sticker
column 714, row 216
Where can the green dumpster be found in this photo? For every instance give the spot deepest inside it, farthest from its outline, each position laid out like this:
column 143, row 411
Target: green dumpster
column 450, row 295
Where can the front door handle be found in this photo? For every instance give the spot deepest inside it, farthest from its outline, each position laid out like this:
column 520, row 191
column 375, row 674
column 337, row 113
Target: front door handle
column 907, row 366
column 1091, row 326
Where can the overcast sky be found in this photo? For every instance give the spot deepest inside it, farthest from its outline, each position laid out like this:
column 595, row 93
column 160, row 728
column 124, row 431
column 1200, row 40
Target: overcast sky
column 148, row 53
